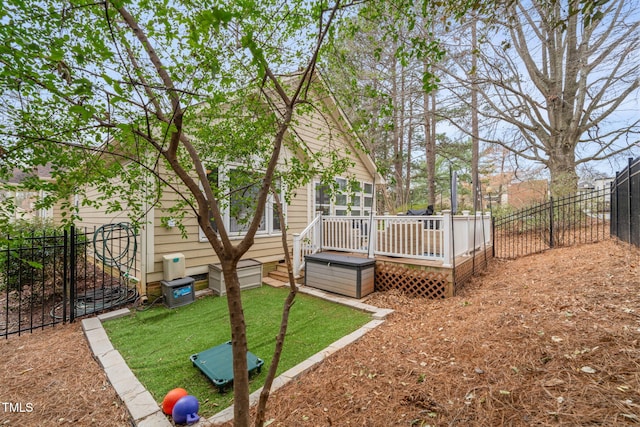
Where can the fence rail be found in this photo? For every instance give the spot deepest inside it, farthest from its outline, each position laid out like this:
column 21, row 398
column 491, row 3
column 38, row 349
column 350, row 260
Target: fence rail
column 580, row 218
column 50, row 279
column 625, row 204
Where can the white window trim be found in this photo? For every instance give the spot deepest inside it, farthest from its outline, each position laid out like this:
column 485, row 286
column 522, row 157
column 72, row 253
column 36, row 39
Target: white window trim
column 269, row 214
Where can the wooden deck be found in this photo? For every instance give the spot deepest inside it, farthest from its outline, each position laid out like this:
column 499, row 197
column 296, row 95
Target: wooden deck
column 425, row 278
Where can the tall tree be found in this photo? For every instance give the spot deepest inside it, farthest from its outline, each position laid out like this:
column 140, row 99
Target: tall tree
column 157, row 95
column 555, row 80
column 475, row 128
column 384, row 75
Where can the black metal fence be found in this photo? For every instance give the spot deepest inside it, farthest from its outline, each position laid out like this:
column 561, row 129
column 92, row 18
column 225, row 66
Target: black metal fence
column 51, row 279
column 581, row 218
column 625, row 204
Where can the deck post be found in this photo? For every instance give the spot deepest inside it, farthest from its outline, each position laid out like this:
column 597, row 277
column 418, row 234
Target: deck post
column 486, row 223
column 373, row 228
column 448, row 238
column 297, row 251
column 318, row 232
column 468, row 228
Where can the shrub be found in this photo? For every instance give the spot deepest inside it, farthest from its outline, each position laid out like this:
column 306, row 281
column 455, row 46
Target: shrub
column 32, row 256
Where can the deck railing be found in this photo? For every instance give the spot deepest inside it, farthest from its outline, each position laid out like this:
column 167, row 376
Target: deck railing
column 433, row 237
column 307, row 242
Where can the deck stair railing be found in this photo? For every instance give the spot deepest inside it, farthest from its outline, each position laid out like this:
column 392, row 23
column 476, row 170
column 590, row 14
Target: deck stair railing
column 307, row 242
column 433, row 237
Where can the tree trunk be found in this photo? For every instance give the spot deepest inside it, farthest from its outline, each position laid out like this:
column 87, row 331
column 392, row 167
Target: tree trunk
column 407, row 179
column 475, row 132
column 564, row 179
column 430, row 143
column 261, row 409
column 241, row 406
column 397, row 139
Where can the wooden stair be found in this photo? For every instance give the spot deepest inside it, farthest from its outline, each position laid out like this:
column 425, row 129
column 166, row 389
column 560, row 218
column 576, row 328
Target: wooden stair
column 281, row 274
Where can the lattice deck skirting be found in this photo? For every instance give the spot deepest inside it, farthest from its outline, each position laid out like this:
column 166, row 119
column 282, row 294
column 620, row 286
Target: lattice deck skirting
column 413, row 280
column 427, row 281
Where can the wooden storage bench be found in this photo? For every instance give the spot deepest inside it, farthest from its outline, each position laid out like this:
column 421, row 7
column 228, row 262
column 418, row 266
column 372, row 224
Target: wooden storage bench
column 345, row 275
column 249, row 275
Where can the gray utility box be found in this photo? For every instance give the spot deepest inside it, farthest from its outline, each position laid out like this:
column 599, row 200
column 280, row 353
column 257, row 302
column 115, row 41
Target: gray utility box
column 178, row 292
column 249, row 274
column 345, row 275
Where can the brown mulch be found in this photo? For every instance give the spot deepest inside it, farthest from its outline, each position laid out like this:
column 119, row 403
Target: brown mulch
column 549, row 339
column 50, row 378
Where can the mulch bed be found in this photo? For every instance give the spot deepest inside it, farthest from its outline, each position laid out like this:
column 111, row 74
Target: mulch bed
column 50, row 378
column 548, row 339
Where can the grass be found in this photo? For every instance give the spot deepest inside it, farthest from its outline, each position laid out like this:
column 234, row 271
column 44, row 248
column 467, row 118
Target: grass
column 157, row 343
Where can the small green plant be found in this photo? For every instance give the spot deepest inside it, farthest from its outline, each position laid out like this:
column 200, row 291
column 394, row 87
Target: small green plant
column 32, row 258
column 28, row 255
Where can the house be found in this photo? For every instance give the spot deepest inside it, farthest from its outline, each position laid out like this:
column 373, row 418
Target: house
column 505, row 190
column 160, row 237
column 19, row 201
column 526, row 193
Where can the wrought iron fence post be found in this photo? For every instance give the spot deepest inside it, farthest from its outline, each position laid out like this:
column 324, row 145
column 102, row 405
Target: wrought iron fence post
column 613, row 207
column 72, row 275
column 629, row 216
column 65, row 276
column 7, row 286
column 493, row 236
column 551, row 222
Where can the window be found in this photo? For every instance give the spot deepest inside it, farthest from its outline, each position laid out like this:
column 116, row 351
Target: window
column 355, row 201
column 322, row 199
column 367, row 194
column 243, row 192
column 341, row 196
column 241, row 189
column 273, row 209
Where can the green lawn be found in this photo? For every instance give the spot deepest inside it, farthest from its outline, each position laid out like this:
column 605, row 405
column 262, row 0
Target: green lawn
column 157, row 343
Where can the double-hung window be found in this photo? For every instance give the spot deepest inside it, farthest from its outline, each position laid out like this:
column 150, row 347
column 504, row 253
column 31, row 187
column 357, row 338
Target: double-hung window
column 238, row 195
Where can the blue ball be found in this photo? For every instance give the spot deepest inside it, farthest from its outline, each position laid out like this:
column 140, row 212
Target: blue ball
column 185, row 411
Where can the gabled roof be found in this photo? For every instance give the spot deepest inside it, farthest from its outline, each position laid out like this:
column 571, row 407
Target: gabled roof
column 364, row 156
column 343, row 121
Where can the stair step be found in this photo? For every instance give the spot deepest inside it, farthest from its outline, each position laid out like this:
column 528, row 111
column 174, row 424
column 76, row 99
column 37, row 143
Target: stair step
column 282, row 267
column 274, row 282
column 279, row 275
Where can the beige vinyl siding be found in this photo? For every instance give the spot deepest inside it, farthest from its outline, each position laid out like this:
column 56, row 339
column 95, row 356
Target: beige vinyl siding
column 325, row 128
column 57, row 213
column 92, row 219
column 198, row 255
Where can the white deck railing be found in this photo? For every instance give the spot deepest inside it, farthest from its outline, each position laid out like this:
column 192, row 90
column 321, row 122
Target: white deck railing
column 419, row 237
column 307, row 242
